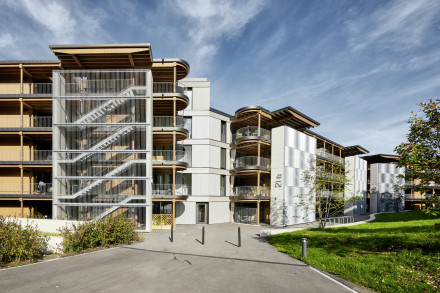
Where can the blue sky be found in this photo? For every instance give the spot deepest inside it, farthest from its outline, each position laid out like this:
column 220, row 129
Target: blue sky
column 357, row 67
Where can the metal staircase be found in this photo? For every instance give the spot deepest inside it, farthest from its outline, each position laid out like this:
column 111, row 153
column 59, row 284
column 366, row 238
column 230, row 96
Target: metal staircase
column 115, row 208
column 101, row 145
column 98, row 182
column 106, row 107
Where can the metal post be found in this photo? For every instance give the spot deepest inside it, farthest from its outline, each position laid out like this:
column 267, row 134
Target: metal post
column 239, row 237
column 172, row 233
column 304, row 247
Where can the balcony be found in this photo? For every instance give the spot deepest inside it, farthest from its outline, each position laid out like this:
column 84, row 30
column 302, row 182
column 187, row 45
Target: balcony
column 327, row 176
column 253, row 192
column 251, row 163
column 167, row 157
column 32, row 189
column 40, row 89
column 415, row 197
column 16, row 121
column 251, row 132
column 167, row 87
column 321, row 153
column 168, row 122
column 166, row 191
column 26, row 156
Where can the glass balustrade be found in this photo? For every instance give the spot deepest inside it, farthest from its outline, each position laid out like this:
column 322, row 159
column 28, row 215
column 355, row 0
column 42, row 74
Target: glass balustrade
column 252, row 191
column 251, row 131
column 251, row 161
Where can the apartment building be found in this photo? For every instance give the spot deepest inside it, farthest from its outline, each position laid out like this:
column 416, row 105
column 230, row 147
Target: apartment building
column 107, row 130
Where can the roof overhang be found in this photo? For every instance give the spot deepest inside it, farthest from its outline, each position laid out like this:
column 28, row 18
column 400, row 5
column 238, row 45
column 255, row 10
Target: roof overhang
column 381, row 158
column 287, row 116
column 108, row 56
column 353, row 151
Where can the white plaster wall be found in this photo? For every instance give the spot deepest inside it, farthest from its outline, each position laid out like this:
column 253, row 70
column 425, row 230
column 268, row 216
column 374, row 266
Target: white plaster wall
column 46, row 225
column 186, row 212
column 291, row 201
column 214, row 128
column 218, row 212
column 200, row 127
column 200, row 184
column 214, row 157
column 201, row 98
column 200, row 156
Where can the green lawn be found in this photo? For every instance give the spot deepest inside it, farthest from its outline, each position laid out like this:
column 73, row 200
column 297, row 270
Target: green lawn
column 395, row 253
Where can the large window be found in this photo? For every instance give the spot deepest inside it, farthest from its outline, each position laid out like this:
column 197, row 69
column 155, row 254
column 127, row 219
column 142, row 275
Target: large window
column 189, row 125
column 189, row 93
column 223, row 158
column 223, row 131
column 223, row 185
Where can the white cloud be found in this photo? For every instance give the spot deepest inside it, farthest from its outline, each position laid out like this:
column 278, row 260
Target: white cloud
column 208, row 23
column 6, row 40
column 399, row 25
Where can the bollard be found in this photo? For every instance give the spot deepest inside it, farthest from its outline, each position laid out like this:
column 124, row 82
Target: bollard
column 304, row 247
column 203, row 235
column 239, row 237
column 172, row 233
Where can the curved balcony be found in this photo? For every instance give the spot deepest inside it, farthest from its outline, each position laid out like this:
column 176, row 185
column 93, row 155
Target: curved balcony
column 166, row 191
column 326, row 155
column 164, row 95
column 251, row 163
column 163, row 125
column 166, row 157
column 251, row 192
column 251, row 133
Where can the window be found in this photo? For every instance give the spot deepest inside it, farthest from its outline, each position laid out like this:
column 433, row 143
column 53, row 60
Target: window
column 189, row 125
column 189, row 93
column 223, row 131
column 188, row 154
column 223, row 185
column 223, row 158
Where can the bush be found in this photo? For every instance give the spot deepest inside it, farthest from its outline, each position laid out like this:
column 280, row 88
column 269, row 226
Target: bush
column 102, row 232
column 19, row 243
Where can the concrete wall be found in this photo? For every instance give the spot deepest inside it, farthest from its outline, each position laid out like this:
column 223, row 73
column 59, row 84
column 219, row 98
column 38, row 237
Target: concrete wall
column 206, row 147
column 291, row 199
column 46, row 225
column 356, row 187
column 383, row 179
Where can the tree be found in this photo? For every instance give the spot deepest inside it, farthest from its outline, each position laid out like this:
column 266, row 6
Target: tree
column 326, row 183
column 420, row 154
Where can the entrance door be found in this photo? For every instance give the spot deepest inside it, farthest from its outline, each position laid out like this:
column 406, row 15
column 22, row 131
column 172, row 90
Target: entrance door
column 202, row 213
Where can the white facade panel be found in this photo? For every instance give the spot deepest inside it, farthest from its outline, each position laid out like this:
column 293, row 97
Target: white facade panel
column 291, row 200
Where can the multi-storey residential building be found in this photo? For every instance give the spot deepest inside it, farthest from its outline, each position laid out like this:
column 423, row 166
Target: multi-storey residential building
column 108, row 130
column 386, row 185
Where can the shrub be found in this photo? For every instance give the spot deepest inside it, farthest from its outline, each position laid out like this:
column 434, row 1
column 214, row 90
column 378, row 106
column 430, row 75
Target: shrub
column 19, row 243
column 102, row 232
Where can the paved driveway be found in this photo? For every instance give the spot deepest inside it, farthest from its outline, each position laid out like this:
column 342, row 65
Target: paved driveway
column 157, row 265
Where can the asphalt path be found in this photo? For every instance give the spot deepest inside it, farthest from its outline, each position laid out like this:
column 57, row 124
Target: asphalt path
column 184, row 265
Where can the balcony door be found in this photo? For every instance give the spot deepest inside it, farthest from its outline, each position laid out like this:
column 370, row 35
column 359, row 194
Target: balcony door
column 202, row 213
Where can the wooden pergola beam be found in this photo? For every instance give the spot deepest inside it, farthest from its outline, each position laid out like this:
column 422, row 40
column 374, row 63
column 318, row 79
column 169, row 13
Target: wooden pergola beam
column 77, row 61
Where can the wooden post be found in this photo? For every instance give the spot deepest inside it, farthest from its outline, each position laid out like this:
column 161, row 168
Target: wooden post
column 174, row 213
column 258, row 212
column 174, row 77
column 21, row 177
column 259, row 122
column 21, row 78
column 174, row 112
column 258, row 182
column 174, row 146
column 174, row 180
column 21, row 145
column 21, row 206
column 259, row 153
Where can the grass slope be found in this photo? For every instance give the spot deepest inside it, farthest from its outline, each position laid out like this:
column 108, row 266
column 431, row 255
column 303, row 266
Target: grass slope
column 395, row 253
